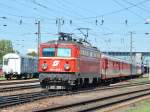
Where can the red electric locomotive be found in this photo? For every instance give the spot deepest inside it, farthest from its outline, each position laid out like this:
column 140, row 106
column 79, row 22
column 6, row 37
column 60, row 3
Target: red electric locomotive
column 66, row 63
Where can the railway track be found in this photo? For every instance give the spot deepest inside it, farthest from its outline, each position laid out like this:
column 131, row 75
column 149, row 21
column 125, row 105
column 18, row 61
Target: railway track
column 17, row 82
column 12, row 100
column 15, row 88
column 4, row 80
column 95, row 104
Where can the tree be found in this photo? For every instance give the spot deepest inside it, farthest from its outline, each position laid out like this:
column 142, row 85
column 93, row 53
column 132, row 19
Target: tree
column 5, row 47
column 33, row 53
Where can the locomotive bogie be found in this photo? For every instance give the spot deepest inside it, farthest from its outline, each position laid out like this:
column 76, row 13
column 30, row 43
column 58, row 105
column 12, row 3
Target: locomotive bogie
column 66, row 80
column 50, row 80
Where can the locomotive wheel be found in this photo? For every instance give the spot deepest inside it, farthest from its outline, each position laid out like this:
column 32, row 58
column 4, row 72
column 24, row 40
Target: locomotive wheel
column 81, row 84
column 31, row 76
column 18, row 77
column 9, row 77
column 6, row 76
column 25, row 76
column 69, row 87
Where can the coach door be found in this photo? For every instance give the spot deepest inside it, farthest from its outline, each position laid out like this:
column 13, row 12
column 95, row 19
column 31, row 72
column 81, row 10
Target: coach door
column 105, row 68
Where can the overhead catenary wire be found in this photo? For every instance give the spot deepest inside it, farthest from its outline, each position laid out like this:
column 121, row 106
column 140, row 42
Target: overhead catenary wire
column 85, row 10
column 133, row 4
column 64, row 8
column 121, row 5
column 97, row 16
column 116, row 11
column 47, row 8
column 53, row 18
column 85, row 22
column 35, row 9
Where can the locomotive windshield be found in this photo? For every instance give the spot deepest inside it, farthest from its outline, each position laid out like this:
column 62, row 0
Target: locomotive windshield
column 61, row 52
column 64, row 52
column 48, row 52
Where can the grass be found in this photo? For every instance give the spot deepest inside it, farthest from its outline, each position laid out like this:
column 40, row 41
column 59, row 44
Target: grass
column 140, row 79
column 143, row 106
column 2, row 78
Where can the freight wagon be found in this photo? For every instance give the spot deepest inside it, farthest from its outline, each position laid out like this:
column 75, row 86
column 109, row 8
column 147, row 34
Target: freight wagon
column 19, row 66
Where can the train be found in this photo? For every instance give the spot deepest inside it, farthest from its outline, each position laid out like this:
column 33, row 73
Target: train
column 19, row 66
column 69, row 63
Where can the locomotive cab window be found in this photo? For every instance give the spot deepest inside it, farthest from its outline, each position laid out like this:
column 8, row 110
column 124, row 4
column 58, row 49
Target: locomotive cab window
column 48, row 52
column 64, row 52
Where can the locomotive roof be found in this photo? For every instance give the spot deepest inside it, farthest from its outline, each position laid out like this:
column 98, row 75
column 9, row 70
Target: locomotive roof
column 66, row 38
column 78, row 43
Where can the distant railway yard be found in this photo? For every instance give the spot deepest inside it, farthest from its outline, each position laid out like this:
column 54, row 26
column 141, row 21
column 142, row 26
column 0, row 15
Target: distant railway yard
column 28, row 96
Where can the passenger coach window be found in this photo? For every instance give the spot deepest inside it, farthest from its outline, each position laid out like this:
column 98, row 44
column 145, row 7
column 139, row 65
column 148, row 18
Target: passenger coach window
column 48, row 52
column 64, row 52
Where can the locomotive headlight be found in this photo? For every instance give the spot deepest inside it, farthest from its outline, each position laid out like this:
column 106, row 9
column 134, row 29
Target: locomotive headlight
column 44, row 66
column 67, row 67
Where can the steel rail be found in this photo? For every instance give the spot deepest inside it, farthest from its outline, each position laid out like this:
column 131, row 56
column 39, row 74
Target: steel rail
column 18, row 82
column 12, row 100
column 16, row 88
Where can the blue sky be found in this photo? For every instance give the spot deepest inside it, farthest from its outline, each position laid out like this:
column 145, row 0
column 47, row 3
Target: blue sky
column 113, row 35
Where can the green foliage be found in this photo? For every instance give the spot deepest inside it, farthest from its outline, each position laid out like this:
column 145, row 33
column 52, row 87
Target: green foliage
column 5, row 47
column 143, row 106
column 32, row 54
column 2, row 78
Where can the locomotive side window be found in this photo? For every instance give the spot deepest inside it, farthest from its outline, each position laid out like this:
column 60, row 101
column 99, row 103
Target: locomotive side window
column 64, row 52
column 48, row 52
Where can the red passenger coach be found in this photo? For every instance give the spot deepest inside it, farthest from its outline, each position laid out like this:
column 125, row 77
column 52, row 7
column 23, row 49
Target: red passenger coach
column 114, row 68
